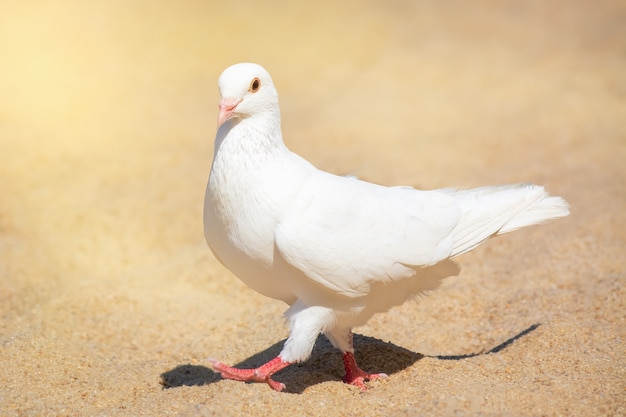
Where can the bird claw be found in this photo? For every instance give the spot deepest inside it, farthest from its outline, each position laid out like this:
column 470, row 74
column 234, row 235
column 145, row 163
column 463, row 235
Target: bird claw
column 355, row 375
column 261, row 374
column 361, row 379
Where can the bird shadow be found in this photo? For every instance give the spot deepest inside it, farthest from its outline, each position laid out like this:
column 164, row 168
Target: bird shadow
column 325, row 363
column 496, row 349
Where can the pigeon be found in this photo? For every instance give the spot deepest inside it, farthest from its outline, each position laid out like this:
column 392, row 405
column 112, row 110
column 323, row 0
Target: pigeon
column 335, row 249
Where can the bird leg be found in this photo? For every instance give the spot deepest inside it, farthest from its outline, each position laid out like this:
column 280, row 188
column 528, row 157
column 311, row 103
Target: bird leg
column 355, row 375
column 261, row 374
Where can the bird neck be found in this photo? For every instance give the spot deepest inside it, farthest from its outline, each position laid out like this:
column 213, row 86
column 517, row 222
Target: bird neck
column 254, row 136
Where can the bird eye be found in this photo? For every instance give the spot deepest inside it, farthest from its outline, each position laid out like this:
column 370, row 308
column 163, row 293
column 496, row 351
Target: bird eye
column 255, row 85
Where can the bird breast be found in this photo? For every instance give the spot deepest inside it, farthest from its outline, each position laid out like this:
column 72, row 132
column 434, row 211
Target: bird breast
column 247, row 195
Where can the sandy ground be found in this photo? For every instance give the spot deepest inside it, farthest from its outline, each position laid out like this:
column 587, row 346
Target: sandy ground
column 111, row 301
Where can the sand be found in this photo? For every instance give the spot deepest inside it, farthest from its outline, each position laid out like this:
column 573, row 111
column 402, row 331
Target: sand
column 110, row 300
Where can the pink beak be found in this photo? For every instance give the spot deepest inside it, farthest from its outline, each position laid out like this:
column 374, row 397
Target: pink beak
column 227, row 106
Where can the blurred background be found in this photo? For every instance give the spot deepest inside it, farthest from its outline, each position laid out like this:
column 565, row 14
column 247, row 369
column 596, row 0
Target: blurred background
column 107, row 119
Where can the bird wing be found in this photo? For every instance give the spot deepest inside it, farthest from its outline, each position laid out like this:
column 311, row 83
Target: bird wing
column 345, row 234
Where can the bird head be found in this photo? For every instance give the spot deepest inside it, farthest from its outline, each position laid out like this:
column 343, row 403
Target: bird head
column 246, row 90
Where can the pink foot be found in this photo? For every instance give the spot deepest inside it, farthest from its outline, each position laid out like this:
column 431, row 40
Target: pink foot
column 261, row 374
column 355, row 375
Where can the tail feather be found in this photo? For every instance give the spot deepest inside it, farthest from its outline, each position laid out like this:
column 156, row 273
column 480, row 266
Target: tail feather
column 490, row 211
column 549, row 208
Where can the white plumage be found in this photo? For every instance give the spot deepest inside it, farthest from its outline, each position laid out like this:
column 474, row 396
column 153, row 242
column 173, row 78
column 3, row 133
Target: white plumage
column 336, row 249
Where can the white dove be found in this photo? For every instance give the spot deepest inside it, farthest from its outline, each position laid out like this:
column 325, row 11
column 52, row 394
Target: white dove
column 336, row 249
